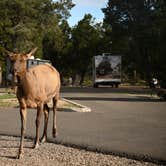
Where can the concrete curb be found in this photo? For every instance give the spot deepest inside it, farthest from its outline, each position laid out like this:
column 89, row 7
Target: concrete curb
column 79, row 107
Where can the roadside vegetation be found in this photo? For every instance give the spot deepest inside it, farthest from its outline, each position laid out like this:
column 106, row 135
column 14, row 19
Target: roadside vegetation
column 7, row 96
column 8, row 99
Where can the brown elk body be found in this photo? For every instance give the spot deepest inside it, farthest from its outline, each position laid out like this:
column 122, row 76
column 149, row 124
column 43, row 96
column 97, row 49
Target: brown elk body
column 35, row 87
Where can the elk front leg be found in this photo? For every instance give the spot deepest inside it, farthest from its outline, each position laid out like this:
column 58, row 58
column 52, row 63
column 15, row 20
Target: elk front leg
column 23, row 114
column 38, row 119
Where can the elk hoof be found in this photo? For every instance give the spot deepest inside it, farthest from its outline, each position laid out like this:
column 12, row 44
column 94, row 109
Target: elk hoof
column 54, row 133
column 36, row 145
column 43, row 139
column 19, row 156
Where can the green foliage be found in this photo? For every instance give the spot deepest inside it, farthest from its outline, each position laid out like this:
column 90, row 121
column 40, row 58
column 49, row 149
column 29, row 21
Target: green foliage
column 62, row 8
column 18, row 26
column 138, row 30
column 25, row 24
column 135, row 29
column 85, row 38
column 71, row 50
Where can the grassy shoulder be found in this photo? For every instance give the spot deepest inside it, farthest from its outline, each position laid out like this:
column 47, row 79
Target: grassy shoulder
column 7, row 96
column 10, row 100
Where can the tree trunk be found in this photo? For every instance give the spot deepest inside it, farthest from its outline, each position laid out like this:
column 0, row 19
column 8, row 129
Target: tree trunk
column 82, row 78
column 73, row 79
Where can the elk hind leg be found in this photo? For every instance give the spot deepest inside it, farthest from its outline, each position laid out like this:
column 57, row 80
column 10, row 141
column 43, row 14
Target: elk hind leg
column 38, row 120
column 46, row 116
column 54, row 129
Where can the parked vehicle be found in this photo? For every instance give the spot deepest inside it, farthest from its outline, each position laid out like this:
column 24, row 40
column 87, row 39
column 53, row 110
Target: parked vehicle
column 106, row 70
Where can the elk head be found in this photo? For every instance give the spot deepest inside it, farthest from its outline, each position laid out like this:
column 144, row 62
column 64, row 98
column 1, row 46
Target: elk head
column 19, row 62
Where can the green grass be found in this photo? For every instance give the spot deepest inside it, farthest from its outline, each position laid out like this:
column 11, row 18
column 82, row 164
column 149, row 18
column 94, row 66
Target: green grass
column 5, row 100
column 8, row 104
column 7, row 96
column 9, row 100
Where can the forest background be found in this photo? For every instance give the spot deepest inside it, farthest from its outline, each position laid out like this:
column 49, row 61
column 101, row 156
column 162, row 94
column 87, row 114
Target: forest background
column 135, row 29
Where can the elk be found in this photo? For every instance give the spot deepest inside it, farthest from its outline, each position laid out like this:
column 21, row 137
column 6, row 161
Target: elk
column 36, row 86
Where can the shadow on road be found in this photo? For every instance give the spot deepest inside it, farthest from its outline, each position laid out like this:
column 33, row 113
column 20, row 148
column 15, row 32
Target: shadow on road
column 138, row 99
column 131, row 90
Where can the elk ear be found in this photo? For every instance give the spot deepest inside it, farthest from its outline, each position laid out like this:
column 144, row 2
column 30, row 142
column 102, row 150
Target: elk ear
column 11, row 55
column 31, row 53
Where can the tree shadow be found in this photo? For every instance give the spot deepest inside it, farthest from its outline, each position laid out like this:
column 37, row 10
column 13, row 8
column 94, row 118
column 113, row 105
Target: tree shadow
column 116, row 99
column 131, row 90
column 8, row 157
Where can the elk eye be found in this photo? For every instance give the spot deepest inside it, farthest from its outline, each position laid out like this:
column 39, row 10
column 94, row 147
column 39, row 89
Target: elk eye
column 13, row 61
column 21, row 60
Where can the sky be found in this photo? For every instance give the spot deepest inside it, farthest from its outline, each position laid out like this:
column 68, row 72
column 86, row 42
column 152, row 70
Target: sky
column 83, row 7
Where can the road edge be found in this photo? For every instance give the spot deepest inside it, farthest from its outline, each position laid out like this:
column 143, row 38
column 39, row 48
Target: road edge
column 79, row 107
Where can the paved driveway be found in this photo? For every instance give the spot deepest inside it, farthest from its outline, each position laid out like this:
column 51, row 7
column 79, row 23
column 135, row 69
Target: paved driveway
column 123, row 121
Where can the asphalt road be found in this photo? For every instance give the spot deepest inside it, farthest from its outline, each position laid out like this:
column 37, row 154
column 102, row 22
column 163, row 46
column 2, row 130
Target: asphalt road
column 123, row 121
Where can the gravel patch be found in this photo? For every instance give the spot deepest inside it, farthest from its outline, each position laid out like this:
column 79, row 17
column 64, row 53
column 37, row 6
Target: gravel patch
column 49, row 154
